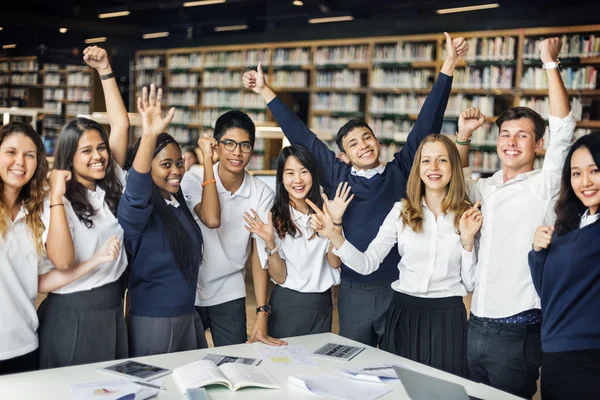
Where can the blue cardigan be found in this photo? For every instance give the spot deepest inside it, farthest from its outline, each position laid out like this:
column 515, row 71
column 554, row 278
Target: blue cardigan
column 157, row 287
column 374, row 197
column 567, row 278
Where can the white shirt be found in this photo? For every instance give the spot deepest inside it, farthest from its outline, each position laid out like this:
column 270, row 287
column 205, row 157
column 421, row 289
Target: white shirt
column 587, row 219
column 308, row 270
column 19, row 262
column 434, row 263
column 87, row 241
column 368, row 173
column 512, row 211
column 226, row 249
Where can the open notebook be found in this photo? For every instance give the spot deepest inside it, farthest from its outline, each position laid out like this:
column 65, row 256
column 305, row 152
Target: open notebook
column 235, row 376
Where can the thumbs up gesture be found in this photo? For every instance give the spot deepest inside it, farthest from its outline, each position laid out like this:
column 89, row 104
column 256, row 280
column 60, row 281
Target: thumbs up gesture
column 255, row 80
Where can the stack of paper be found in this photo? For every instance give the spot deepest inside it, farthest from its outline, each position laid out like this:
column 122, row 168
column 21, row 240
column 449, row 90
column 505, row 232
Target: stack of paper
column 112, row 390
column 383, row 373
column 340, row 388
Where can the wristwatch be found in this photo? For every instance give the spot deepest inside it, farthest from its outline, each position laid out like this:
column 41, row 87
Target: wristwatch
column 271, row 252
column 266, row 309
column 552, row 65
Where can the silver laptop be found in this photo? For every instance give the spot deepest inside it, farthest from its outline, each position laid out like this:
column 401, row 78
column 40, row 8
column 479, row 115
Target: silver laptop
column 424, row 387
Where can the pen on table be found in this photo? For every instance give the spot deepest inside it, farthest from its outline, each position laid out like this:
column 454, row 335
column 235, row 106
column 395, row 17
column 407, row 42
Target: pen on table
column 151, row 385
column 376, row 368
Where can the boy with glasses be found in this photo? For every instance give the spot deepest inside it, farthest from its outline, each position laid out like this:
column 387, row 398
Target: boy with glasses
column 221, row 295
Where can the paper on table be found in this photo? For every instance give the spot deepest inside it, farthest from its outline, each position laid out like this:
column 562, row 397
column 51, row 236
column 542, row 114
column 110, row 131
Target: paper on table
column 285, row 355
column 381, row 373
column 112, row 390
column 340, row 388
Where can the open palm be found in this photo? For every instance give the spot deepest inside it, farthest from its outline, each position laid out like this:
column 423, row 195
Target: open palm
column 338, row 205
column 258, row 227
column 149, row 106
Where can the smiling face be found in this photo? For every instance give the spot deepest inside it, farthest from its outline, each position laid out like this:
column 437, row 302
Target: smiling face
column 234, row 161
column 168, row 169
column 297, row 180
column 18, row 161
column 189, row 159
column 435, row 169
column 90, row 159
column 517, row 146
column 585, row 179
column 361, row 149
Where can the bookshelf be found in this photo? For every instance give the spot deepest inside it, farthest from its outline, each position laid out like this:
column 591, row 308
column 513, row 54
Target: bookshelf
column 383, row 80
column 20, row 82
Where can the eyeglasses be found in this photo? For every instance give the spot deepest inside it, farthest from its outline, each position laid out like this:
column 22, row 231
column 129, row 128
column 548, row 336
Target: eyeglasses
column 231, row 145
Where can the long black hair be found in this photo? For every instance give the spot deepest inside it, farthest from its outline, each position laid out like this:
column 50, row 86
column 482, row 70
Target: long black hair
column 180, row 243
column 282, row 219
column 569, row 208
column 66, row 147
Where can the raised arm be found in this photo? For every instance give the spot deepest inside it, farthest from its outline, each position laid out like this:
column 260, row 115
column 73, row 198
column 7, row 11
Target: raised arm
column 209, row 208
column 97, row 58
column 294, row 129
column 431, row 115
column 59, row 242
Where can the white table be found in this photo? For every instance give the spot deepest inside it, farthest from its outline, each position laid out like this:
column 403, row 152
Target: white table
column 52, row 384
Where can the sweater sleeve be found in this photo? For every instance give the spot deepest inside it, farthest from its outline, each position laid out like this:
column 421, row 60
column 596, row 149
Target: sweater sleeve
column 537, row 259
column 298, row 133
column 429, row 121
column 135, row 206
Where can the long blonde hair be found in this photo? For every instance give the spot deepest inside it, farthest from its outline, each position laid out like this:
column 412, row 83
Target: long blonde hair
column 456, row 199
column 33, row 192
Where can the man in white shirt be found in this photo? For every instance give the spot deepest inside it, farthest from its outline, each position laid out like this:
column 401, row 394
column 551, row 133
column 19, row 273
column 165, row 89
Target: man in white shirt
column 504, row 346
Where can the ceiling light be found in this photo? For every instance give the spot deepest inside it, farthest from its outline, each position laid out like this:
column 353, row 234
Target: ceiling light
column 468, row 8
column 230, row 28
column 62, row 30
column 9, row 46
column 330, row 19
column 155, row 35
column 114, row 14
column 298, row 3
column 96, row 40
column 202, row 3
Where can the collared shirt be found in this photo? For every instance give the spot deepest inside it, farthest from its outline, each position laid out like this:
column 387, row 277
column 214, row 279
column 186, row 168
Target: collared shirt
column 512, row 211
column 172, row 201
column 587, row 219
column 19, row 262
column 368, row 173
column 87, row 241
column 226, row 248
column 433, row 264
column 305, row 256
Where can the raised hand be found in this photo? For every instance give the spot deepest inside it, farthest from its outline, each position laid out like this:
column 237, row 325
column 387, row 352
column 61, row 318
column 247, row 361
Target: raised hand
column 58, row 185
column 469, row 120
column 542, row 237
column 455, row 48
column 321, row 222
column 338, row 205
column 256, row 226
column 469, row 224
column 149, row 106
column 109, row 251
column 207, row 144
column 96, row 57
column 550, row 49
column 255, row 80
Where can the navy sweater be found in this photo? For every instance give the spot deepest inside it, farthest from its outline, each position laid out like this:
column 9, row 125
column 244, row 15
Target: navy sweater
column 375, row 197
column 157, row 287
column 567, row 278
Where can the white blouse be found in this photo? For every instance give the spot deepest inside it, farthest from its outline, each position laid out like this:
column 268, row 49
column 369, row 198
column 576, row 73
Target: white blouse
column 308, row 270
column 19, row 262
column 433, row 263
column 587, row 219
column 87, row 241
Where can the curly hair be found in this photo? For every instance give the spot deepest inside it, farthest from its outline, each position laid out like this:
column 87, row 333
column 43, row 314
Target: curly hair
column 456, row 199
column 66, row 146
column 33, row 193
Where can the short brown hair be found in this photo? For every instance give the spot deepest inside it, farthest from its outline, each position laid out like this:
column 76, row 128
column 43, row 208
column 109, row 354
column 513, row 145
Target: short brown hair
column 539, row 125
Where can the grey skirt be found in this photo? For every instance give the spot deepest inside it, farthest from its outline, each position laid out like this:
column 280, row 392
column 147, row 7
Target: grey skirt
column 82, row 327
column 149, row 335
column 296, row 313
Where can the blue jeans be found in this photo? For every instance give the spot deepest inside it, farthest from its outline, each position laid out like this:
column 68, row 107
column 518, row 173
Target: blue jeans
column 504, row 356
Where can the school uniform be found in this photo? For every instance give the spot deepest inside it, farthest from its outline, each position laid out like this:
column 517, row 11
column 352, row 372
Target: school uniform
column 504, row 348
column 302, row 304
column 161, row 317
column 566, row 275
column 19, row 261
column 427, row 320
column 83, row 322
column 364, row 300
column 221, row 293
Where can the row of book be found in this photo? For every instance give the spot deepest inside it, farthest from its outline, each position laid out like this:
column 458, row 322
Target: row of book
column 289, row 79
column 218, row 98
column 337, row 102
column 79, row 94
column 189, row 117
column 401, row 78
column 24, row 66
column 402, row 52
column 297, row 57
column 499, row 48
column 575, row 78
column 542, row 105
column 23, row 79
column 79, row 79
column 185, row 61
column 579, row 45
column 224, row 79
column 53, row 79
column 54, row 106
column 4, row 67
column 344, row 79
column 490, row 77
column 235, row 58
column 54, row 94
column 187, row 98
column 327, row 124
column 149, row 62
column 184, row 80
column 209, row 117
column 78, row 108
column 147, row 78
column 342, row 55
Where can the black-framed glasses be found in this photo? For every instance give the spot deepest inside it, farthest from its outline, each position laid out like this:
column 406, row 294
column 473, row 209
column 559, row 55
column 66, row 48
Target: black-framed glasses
column 231, row 145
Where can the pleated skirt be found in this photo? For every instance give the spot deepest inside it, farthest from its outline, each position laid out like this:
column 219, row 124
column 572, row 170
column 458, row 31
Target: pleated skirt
column 432, row 331
column 82, row 327
column 296, row 313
